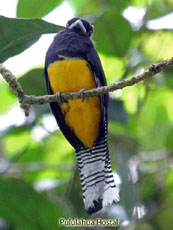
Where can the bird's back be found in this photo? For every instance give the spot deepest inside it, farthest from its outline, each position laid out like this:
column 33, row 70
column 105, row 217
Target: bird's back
column 72, row 64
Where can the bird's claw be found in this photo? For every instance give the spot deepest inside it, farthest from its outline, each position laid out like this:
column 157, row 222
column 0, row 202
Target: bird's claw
column 81, row 94
column 60, row 99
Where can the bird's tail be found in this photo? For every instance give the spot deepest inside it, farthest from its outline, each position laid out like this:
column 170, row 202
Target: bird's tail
column 96, row 176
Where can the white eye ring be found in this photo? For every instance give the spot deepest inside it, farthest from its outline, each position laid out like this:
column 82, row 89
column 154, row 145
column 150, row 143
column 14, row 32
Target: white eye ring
column 77, row 23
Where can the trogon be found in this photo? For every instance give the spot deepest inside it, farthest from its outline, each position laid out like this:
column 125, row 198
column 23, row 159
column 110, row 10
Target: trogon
column 72, row 65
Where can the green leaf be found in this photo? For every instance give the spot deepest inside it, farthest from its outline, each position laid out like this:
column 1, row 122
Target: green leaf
column 113, row 67
column 23, row 208
column 168, row 73
column 149, row 192
column 57, row 149
column 120, row 5
column 130, row 97
column 19, row 34
column 158, row 8
column 7, row 97
column 34, row 153
column 15, row 143
column 155, row 45
column 87, row 7
column 165, row 213
column 96, row 7
column 115, row 31
column 35, row 8
column 155, row 119
column 33, row 82
column 142, row 3
column 168, row 141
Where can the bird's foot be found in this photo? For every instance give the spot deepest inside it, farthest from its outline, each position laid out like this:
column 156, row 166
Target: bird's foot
column 81, row 94
column 60, row 99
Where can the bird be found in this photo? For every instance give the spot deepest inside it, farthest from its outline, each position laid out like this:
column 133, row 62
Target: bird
column 72, row 64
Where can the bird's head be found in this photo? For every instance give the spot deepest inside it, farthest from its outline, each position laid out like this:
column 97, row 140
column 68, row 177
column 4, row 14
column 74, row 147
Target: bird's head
column 80, row 25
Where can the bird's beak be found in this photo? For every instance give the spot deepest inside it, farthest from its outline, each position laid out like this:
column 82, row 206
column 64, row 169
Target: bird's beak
column 78, row 24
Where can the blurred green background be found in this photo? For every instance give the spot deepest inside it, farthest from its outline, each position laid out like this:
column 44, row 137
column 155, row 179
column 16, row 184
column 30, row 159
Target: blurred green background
column 39, row 181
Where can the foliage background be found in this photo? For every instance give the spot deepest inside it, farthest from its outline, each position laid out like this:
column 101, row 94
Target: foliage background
column 39, row 181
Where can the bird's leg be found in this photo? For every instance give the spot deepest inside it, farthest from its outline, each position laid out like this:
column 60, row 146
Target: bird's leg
column 81, row 94
column 61, row 100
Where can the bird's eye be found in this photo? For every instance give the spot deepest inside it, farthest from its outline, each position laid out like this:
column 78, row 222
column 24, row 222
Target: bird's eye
column 90, row 32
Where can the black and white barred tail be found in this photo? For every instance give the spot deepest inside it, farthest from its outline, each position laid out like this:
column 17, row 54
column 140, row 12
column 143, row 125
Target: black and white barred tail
column 96, row 176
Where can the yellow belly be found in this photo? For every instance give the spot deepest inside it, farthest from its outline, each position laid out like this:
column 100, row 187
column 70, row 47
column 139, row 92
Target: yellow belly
column 71, row 75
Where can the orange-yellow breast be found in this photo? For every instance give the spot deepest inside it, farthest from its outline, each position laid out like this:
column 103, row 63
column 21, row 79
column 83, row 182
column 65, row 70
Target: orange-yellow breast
column 71, row 75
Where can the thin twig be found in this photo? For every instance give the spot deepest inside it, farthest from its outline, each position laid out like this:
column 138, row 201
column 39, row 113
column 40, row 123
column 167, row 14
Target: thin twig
column 16, row 88
column 27, row 100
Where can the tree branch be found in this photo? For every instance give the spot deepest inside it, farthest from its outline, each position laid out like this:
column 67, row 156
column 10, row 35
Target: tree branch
column 27, row 100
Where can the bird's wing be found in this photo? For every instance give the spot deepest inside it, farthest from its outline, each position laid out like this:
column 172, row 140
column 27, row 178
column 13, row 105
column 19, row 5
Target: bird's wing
column 100, row 79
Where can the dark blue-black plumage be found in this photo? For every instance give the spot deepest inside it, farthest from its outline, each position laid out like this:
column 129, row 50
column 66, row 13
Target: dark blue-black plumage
column 76, row 44
column 98, row 186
